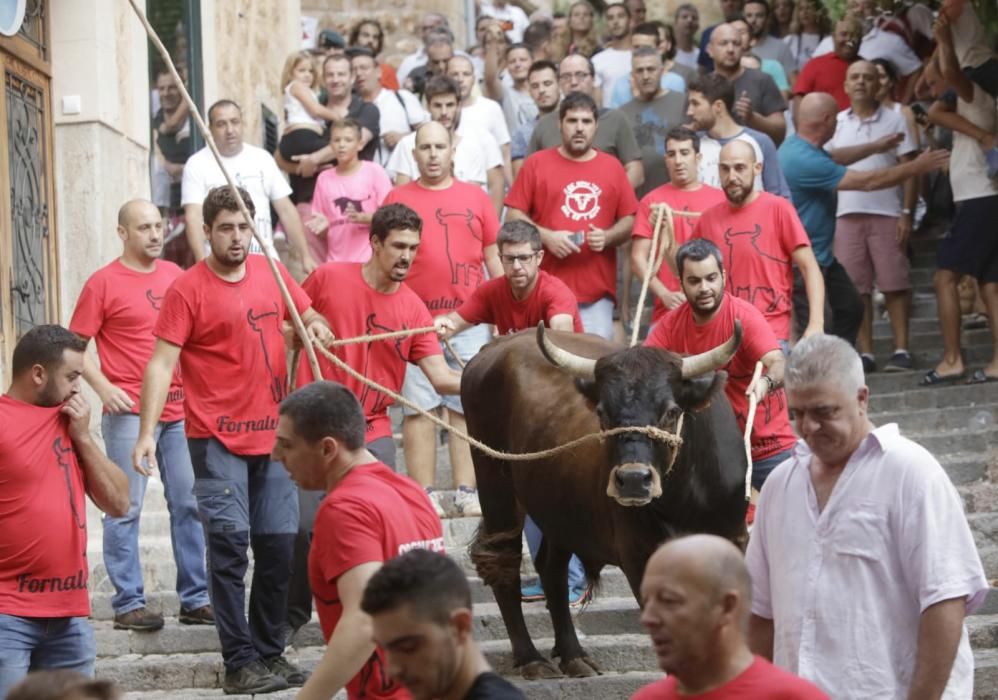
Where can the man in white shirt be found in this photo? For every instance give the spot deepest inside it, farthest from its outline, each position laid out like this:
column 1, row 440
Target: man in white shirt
column 863, row 566
column 687, row 24
column 430, row 21
column 513, row 19
column 613, row 63
column 479, row 110
column 253, row 169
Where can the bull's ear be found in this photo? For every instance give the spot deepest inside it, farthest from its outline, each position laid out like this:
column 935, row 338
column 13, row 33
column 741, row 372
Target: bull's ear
column 697, row 393
column 587, row 388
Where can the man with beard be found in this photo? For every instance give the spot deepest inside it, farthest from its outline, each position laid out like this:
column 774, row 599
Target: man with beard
column 613, row 63
column 827, row 72
column 765, row 45
column 542, row 81
column 709, row 316
column 48, row 461
column 420, row 609
column 222, row 321
column 762, row 239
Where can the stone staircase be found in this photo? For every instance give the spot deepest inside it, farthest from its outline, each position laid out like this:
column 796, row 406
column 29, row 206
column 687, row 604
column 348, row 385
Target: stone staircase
column 958, row 424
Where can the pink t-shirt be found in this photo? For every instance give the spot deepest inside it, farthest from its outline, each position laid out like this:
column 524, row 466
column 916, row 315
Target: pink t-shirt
column 336, row 194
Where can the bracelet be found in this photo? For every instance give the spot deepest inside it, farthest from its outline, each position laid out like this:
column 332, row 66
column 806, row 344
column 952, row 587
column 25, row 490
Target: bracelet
column 906, row 212
column 770, row 381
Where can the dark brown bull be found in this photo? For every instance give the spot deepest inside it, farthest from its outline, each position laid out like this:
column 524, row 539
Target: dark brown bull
column 610, row 503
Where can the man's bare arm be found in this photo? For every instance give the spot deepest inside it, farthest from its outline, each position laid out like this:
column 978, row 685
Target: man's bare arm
column 443, row 379
column 155, row 386
column 814, row 285
column 106, row 484
column 635, row 173
column 761, row 635
column 291, row 221
column 114, row 398
column 940, row 628
column 497, row 187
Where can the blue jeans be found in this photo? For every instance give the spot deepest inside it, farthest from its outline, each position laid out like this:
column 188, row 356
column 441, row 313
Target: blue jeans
column 35, row 643
column 121, row 535
column 762, row 467
column 576, row 574
column 597, row 317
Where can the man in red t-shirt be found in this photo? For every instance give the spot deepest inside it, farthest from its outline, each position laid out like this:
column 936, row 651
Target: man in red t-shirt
column 827, row 73
column 118, row 308
column 580, row 200
column 696, row 593
column 684, row 192
column 458, row 245
column 222, row 321
column 705, row 321
column 370, row 514
column 48, row 461
column 762, row 239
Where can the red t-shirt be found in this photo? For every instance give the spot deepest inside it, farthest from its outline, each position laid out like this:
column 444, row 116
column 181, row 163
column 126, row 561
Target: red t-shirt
column 232, row 357
column 697, row 200
column 372, row 515
column 339, row 292
column 43, row 515
column 493, row 303
column 678, row 331
column 758, row 241
column 118, row 308
column 458, row 224
column 566, row 195
column 760, row 681
column 825, row 73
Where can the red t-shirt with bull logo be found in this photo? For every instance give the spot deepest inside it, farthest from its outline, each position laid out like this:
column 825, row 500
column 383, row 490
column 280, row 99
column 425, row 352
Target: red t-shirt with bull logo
column 43, row 515
column 493, row 303
column 371, row 515
column 697, row 200
column 232, row 352
column 567, row 195
column 758, row 241
column 339, row 292
column 679, row 332
column 459, row 223
column 118, row 308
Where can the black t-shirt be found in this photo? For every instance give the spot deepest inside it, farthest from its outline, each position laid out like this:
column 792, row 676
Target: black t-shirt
column 492, row 686
column 368, row 116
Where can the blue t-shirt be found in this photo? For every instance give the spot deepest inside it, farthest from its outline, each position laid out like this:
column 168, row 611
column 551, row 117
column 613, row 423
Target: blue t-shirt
column 621, row 94
column 813, row 178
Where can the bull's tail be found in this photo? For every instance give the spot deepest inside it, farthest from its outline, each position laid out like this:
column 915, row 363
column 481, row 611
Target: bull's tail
column 497, row 556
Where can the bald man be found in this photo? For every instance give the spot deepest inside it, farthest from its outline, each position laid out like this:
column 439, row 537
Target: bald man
column 118, row 308
column 816, row 176
column 695, row 598
column 480, row 110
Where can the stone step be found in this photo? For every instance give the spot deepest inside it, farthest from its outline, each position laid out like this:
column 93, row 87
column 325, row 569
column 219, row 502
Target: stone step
column 882, row 326
column 952, row 441
column 972, row 418
column 944, row 396
column 930, row 343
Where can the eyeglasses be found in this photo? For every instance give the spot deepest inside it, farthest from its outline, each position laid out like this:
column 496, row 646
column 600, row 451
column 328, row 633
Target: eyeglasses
column 522, row 259
column 577, row 75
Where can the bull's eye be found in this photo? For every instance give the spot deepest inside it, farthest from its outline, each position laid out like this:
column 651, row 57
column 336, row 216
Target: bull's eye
column 670, row 416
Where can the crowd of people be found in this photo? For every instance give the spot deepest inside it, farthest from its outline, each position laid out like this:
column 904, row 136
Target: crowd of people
column 788, row 159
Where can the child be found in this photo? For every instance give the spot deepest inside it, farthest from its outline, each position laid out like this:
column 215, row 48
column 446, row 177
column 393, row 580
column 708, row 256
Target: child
column 344, row 199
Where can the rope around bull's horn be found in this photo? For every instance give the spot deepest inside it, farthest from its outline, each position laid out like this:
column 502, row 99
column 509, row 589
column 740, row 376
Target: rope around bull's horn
column 750, row 419
column 203, row 128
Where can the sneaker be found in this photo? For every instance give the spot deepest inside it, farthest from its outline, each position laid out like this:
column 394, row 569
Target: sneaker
column 251, row 679
column 869, row 364
column 139, row 620
column 436, row 498
column 198, row 616
column 580, row 595
column 532, row 593
column 466, row 502
column 283, row 668
column 900, row 362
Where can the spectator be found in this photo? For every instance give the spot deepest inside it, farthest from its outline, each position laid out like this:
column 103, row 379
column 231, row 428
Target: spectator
column 399, row 111
column 765, row 45
column 613, row 63
column 687, row 21
column 711, row 101
column 48, row 463
column 221, row 320
column 614, row 135
column 651, row 114
column 674, row 75
column 970, row 114
column 479, row 110
column 118, row 307
column 880, row 43
column 639, row 13
column 758, row 102
column 912, row 21
column 872, row 228
column 369, row 515
column 815, row 176
column 762, row 240
column 885, row 95
column 971, row 44
column 890, row 569
column 827, row 72
column 518, row 107
column 683, row 192
column 512, row 19
column 439, row 50
column 809, row 26
column 425, row 596
column 245, row 163
column 781, row 18
column 538, row 38
column 345, row 198
column 697, row 596
column 730, row 11
column 458, row 241
column 368, row 34
column 172, row 131
column 429, row 22
column 767, row 65
column 709, row 316
column 542, row 81
column 581, row 35
column 581, row 202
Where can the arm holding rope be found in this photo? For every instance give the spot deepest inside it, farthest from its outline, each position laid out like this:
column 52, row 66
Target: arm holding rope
column 639, row 260
column 450, row 324
column 443, row 379
column 774, row 363
column 155, row 386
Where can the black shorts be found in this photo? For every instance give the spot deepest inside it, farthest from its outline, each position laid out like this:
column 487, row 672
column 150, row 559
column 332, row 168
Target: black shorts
column 300, row 142
column 970, row 246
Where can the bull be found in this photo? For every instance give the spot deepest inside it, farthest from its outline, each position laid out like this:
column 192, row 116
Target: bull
column 612, row 502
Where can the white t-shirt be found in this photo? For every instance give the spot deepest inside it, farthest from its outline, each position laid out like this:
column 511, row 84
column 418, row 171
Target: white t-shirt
column 252, row 169
column 970, row 41
column 878, row 43
column 611, row 65
column 968, row 172
column 710, row 156
column 295, row 112
column 688, row 58
column 396, row 118
column 411, row 63
column 514, row 20
column 475, row 154
column 486, row 114
column 851, row 130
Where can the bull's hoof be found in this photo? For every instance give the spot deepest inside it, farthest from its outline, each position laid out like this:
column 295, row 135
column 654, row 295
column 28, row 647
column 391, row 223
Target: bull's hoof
column 539, row 670
column 582, row 667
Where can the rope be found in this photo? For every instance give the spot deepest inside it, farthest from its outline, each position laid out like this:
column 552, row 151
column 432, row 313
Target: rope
column 371, row 337
column 753, row 400
column 203, row 128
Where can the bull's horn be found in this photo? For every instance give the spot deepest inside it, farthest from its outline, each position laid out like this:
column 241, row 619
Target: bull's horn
column 582, row 367
column 696, row 365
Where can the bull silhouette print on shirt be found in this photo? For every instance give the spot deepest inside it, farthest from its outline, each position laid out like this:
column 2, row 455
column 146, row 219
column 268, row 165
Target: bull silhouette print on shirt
column 456, row 224
column 342, row 203
column 741, row 246
column 256, row 321
column 371, row 326
column 154, row 301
